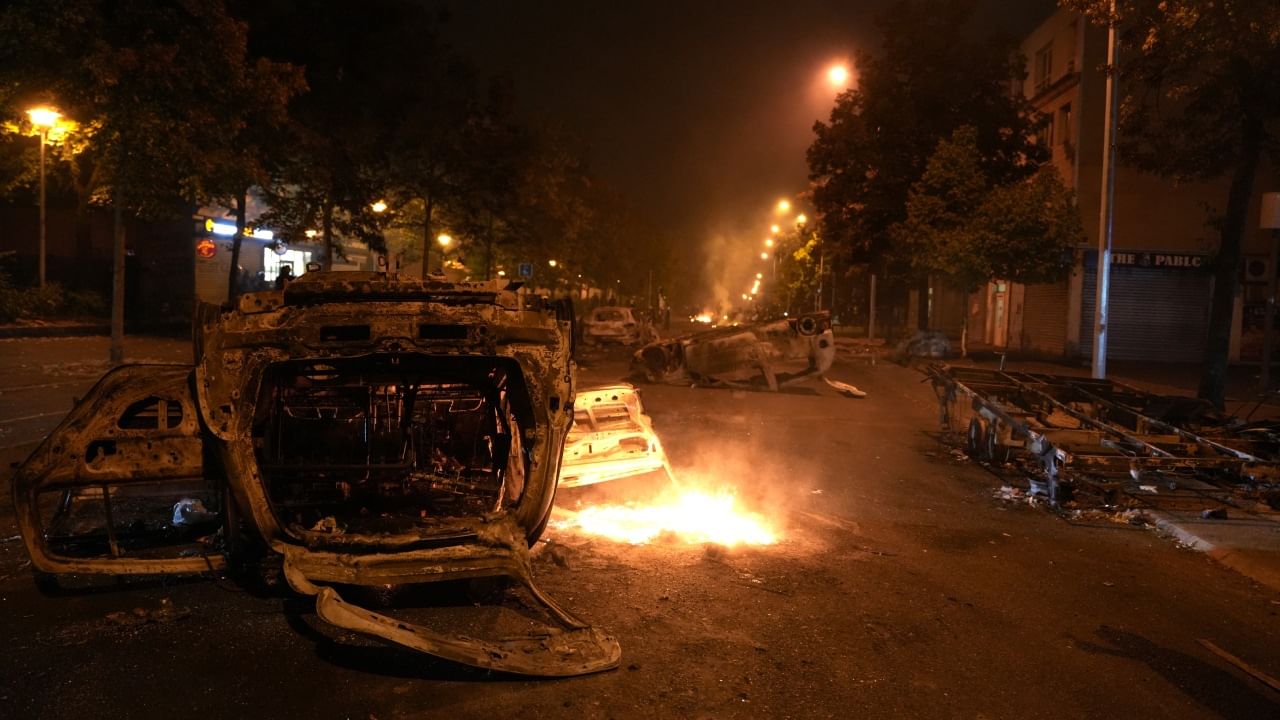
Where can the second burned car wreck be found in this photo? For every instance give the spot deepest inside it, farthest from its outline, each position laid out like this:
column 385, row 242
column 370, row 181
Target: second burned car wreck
column 364, row 429
column 769, row 355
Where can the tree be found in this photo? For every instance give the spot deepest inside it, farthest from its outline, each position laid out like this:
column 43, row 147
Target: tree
column 968, row 227
column 1200, row 86
column 167, row 88
column 928, row 80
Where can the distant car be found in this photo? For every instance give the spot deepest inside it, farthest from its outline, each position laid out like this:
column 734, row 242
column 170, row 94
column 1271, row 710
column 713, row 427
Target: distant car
column 611, row 324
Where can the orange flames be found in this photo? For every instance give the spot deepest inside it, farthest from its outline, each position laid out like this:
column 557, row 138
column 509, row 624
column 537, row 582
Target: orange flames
column 689, row 515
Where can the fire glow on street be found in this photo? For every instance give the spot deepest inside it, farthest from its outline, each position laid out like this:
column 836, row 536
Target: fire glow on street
column 687, row 515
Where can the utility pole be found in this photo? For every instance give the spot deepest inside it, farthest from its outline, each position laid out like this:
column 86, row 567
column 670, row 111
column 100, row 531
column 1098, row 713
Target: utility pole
column 44, row 138
column 871, row 314
column 1106, row 210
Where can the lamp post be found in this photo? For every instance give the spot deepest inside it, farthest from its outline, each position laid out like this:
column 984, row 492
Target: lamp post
column 43, row 118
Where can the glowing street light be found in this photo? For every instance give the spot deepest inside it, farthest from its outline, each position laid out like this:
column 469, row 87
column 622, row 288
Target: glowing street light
column 784, row 205
column 768, row 242
column 838, row 76
column 44, row 119
column 764, row 256
column 774, row 229
column 444, row 240
column 379, row 207
column 552, row 263
column 759, row 276
column 801, row 219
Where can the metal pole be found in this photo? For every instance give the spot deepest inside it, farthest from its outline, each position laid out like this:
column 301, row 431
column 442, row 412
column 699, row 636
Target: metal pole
column 871, row 315
column 44, row 134
column 1106, row 211
column 1268, row 333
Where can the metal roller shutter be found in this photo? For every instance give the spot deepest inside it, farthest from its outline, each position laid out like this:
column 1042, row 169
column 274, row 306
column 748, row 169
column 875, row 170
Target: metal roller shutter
column 1044, row 318
column 1157, row 314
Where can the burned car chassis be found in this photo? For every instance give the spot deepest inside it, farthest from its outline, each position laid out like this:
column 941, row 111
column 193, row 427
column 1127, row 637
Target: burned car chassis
column 368, row 430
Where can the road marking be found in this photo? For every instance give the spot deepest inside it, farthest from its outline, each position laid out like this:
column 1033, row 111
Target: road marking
column 32, row 417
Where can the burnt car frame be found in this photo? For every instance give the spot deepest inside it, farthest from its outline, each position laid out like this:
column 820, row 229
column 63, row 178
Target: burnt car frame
column 769, row 355
column 366, row 429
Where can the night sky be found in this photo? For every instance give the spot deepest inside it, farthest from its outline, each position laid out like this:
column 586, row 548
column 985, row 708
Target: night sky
column 700, row 112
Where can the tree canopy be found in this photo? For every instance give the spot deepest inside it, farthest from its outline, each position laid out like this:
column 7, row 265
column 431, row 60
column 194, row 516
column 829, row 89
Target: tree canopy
column 928, row 79
column 971, row 228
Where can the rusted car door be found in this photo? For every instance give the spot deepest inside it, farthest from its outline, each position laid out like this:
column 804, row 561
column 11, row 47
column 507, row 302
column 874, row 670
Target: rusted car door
column 120, row 486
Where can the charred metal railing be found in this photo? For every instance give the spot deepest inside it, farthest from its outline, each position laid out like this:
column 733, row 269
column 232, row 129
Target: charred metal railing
column 1070, row 429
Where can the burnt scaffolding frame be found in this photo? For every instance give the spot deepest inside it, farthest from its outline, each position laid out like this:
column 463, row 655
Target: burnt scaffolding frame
column 1112, row 437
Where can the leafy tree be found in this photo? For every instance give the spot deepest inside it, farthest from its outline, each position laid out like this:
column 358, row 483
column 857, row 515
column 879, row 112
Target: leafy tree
column 367, row 73
column 1200, row 86
column 167, row 88
column 929, row 79
column 962, row 225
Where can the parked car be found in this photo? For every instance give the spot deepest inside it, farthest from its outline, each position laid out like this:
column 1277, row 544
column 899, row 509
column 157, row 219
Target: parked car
column 611, row 324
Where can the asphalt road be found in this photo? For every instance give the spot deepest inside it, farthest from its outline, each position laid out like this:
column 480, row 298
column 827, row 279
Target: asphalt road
column 901, row 588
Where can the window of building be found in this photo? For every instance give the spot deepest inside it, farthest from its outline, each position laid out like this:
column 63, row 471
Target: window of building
column 1044, row 67
column 1064, row 123
column 1046, row 135
column 271, row 262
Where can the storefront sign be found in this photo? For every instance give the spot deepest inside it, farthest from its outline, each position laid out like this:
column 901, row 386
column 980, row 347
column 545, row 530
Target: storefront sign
column 1159, row 260
column 206, row 248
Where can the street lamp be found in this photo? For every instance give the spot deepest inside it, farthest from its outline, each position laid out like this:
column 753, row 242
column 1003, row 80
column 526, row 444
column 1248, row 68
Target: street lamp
column 43, row 118
column 552, row 263
column 379, row 207
column 774, row 229
column 784, row 205
column 768, row 242
column 801, row 219
column 764, row 256
column 838, row 76
column 444, row 240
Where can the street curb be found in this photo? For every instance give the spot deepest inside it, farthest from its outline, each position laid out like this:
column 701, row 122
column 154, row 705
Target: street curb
column 37, row 331
column 1258, row 572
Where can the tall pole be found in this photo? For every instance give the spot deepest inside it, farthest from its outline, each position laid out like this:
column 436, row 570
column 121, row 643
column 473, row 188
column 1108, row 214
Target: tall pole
column 871, row 311
column 1268, row 332
column 44, row 136
column 1106, row 211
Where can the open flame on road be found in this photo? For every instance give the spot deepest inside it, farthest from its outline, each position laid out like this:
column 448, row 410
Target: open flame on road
column 689, row 515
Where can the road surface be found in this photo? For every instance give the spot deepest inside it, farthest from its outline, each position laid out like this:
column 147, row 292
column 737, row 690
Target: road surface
column 901, row 588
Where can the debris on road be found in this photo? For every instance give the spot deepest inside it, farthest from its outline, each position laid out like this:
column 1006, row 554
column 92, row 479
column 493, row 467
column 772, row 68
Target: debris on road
column 1070, row 432
column 611, row 438
column 166, row 613
column 1214, row 514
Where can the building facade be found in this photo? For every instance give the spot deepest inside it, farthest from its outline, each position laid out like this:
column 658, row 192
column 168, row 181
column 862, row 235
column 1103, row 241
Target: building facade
column 1162, row 240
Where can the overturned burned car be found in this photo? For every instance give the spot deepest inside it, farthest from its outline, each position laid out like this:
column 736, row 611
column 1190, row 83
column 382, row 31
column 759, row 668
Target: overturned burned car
column 367, row 430
column 769, row 355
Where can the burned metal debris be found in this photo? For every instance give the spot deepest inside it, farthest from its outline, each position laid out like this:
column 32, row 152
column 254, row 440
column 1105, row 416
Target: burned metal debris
column 769, row 355
column 369, row 430
column 611, row 438
column 1073, row 431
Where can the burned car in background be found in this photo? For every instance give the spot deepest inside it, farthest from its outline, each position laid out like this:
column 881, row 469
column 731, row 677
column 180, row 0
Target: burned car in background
column 366, row 429
column 613, row 325
column 769, row 355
